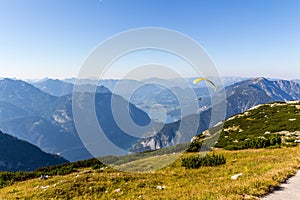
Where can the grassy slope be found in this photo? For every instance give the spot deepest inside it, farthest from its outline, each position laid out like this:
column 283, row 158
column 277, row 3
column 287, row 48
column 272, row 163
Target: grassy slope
column 275, row 118
column 262, row 169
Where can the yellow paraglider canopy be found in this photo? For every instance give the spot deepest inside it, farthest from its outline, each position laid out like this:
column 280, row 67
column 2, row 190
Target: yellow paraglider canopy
column 205, row 79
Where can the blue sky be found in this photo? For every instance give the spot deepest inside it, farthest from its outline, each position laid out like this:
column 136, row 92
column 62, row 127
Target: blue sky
column 52, row 38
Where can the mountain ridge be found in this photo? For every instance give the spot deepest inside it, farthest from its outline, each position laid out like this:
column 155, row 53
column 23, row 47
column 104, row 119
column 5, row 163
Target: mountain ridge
column 47, row 121
column 239, row 98
column 19, row 155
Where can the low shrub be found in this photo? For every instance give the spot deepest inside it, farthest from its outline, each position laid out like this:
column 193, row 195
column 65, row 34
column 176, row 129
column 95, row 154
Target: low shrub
column 195, row 146
column 272, row 140
column 194, row 162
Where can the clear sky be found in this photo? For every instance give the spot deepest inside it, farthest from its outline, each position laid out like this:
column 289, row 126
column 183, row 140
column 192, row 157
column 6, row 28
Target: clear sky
column 52, row 38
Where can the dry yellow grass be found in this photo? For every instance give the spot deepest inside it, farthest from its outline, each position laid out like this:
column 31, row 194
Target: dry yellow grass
column 262, row 169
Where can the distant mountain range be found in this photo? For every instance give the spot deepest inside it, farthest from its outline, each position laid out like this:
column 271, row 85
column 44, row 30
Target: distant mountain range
column 158, row 97
column 296, row 80
column 18, row 155
column 239, row 97
column 54, row 87
column 246, row 94
column 47, row 120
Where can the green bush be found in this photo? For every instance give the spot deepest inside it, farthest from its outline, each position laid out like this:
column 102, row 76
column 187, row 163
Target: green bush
column 272, row 140
column 194, row 162
column 97, row 166
column 233, row 147
column 289, row 140
column 195, row 146
column 290, row 144
column 274, row 147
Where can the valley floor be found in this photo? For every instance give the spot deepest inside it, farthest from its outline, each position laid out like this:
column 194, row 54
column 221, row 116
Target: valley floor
column 263, row 170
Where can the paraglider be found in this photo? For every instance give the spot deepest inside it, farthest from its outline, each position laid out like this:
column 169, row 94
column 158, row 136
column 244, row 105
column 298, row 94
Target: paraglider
column 205, row 79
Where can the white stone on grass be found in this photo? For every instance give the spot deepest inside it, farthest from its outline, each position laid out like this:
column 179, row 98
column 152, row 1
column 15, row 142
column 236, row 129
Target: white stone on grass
column 236, row 176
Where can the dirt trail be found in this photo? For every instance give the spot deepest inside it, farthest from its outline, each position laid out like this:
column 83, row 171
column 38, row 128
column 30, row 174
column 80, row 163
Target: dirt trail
column 289, row 190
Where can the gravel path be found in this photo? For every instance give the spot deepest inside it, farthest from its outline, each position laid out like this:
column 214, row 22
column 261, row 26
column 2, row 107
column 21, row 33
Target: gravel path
column 289, row 190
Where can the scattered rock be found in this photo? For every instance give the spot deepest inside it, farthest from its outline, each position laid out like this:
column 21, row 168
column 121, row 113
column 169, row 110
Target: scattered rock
column 159, row 187
column 118, row 190
column 45, row 187
column 44, row 177
column 234, row 177
column 246, row 196
column 102, row 169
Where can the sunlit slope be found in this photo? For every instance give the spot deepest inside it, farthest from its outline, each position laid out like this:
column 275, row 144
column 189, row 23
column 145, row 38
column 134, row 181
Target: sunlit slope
column 273, row 125
column 262, row 169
